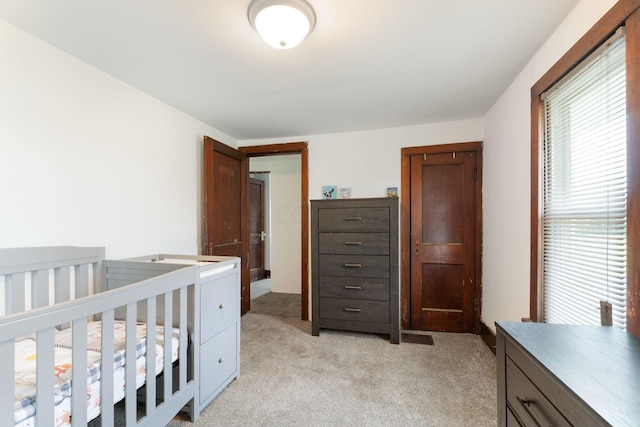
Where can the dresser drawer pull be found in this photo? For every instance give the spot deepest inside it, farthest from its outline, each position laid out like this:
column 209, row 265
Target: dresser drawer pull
column 353, row 243
column 353, row 218
column 353, row 310
column 221, row 360
column 354, row 287
column 349, row 265
column 525, row 405
column 221, row 306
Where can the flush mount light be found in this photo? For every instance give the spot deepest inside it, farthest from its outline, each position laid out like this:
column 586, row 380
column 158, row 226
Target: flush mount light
column 283, row 24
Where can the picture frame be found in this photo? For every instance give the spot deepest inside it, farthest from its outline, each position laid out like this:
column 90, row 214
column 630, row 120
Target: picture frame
column 392, row 191
column 344, row 193
column 329, row 192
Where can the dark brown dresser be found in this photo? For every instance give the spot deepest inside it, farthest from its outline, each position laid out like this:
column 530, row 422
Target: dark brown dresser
column 565, row 375
column 354, row 265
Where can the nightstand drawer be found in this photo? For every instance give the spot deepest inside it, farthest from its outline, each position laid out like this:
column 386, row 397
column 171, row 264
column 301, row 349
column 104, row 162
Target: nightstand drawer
column 354, row 310
column 527, row 402
column 370, row 288
column 354, row 265
column 354, row 243
column 353, row 219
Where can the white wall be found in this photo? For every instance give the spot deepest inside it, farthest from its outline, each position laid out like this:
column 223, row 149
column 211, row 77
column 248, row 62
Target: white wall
column 285, row 232
column 507, row 172
column 87, row 160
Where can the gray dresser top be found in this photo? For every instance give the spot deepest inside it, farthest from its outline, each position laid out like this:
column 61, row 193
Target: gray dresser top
column 600, row 365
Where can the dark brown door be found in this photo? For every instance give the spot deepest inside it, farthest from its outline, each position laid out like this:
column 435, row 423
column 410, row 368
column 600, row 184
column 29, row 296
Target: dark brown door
column 256, row 229
column 443, row 241
column 225, row 227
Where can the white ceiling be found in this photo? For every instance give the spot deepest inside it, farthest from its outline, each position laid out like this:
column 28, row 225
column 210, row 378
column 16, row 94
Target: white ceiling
column 368, row 64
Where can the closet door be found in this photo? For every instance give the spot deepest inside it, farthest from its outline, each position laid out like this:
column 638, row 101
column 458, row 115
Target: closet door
column 443, row 241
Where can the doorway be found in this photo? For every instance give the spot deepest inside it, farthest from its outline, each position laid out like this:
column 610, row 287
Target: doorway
column 302, row 207
column 441, row 237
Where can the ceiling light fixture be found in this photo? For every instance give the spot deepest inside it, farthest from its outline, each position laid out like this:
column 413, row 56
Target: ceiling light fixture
column 283, row 24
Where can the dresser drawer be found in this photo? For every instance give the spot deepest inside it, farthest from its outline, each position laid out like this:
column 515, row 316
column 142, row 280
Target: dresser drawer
column 219, row 304
column 218, row 361
column 370, row 288
column 527, row 402
column 354, row 243
column 354, row 310
column 354, row 265
column 353, row 219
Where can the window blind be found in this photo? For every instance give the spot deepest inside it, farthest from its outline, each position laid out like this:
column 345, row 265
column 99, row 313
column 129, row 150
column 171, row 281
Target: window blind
column 584, row 224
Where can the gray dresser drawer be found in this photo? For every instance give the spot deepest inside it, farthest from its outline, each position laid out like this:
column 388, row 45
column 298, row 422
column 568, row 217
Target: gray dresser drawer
column 218, row 361
column 354, row 265
column 528, row 403
column 353, row 219
column 354, row 310
column 354, row 243
column 372, row 288
column 219, row 306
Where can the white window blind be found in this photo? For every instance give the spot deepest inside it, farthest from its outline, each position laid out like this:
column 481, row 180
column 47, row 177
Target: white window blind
column 584, row 224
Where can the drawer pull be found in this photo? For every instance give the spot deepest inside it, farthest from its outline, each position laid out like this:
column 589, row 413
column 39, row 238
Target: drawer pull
column 525, row 405
column 221, row 306
column 221, row 360
column 354, row 287
column 353, row 218
column 353, row 310
column 349, row 265
column 353, row 243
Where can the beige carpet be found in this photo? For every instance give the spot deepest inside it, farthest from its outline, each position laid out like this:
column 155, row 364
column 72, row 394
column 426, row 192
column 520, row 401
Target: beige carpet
column 290, row 378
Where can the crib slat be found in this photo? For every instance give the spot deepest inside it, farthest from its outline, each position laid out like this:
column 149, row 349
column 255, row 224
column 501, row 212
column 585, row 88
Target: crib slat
column 97, row 277
column 7, row 363
column 82, row 280
column 130, row 365
column 40, row 288
column 79, row 373
column 168, row 344
column 183, row 339
column 106, row 369
column 14, row 293
column 45, row 364
column 62, row 284
column 150, row 378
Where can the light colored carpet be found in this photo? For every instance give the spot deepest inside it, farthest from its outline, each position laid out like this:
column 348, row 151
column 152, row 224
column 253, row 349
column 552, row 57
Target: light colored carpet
column 291, row 378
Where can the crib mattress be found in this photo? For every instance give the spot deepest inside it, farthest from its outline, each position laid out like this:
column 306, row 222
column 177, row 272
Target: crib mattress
column 25, row 369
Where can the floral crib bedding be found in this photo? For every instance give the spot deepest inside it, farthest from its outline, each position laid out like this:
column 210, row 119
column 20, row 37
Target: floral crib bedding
column 25, row 370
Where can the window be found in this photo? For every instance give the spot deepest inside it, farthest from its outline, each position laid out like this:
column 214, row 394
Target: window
column 594, row 210
column 584, row 192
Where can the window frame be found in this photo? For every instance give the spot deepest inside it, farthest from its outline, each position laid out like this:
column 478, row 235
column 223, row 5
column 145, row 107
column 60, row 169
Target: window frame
column 627, row 13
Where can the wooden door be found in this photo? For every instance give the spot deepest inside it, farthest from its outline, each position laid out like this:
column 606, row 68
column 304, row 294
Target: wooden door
column 256, row 229
column 443, row 241
column 225, row 210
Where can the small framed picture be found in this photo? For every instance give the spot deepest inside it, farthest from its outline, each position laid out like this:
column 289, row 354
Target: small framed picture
column 344, row 193
column 329, row 192
column 392, row 191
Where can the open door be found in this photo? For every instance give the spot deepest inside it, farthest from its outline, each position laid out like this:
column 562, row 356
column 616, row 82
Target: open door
column 256, row 229
column 226, row 211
